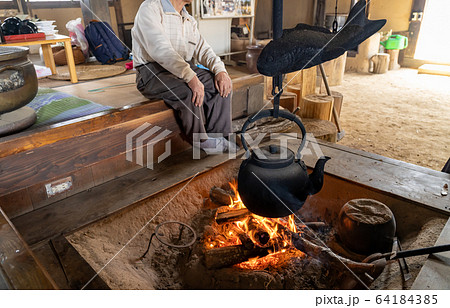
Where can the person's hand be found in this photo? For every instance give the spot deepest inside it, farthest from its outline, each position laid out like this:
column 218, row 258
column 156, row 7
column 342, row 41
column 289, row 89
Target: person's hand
column 223, row 84
column 198, row 91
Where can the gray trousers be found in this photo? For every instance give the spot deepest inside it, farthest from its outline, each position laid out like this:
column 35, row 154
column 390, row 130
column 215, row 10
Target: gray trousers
column 214, row 116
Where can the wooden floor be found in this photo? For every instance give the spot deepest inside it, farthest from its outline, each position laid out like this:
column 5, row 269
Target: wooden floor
column 122, row 93
column 122, row 89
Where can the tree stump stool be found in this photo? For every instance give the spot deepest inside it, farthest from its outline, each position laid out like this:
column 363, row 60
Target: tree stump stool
column 317, row 106
column 380, row 63
column 334, row 69
column 393, row 60
column 297, row 90
column 321, row 129
column 289, row 101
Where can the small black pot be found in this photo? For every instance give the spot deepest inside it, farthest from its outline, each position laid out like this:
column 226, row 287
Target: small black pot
column 366, row 238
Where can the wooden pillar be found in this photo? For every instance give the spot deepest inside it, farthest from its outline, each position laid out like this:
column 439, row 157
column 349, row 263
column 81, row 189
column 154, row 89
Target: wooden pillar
column 319, row 19
column 119, row 18
column 417, row 7
column 95, row 9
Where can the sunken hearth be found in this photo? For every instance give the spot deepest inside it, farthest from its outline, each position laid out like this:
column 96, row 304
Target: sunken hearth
column 235, row 249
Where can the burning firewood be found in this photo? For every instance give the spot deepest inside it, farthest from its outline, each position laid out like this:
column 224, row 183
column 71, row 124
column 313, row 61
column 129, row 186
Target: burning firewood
column 232, row 215
column 231, row 255
column 313, row 224
column 221, row 196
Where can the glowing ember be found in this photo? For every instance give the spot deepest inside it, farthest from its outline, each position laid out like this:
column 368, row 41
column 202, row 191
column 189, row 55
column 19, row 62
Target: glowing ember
column 274, row 234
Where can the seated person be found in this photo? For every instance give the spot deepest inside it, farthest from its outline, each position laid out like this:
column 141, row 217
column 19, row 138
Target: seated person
column 165, row 43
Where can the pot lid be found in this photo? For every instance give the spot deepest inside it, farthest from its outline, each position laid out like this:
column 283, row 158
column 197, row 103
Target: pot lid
column 11, row 53
column 273, row 156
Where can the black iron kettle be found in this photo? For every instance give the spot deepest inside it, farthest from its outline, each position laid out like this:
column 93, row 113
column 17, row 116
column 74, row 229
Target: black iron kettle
column 272, row 182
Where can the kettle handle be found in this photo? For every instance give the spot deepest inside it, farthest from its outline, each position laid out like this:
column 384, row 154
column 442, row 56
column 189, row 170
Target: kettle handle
column 269, row 113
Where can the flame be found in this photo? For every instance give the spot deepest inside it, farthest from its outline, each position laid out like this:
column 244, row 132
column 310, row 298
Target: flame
column 257, row 229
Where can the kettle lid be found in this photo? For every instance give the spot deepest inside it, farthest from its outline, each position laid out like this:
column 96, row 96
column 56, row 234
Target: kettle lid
column 273, row 156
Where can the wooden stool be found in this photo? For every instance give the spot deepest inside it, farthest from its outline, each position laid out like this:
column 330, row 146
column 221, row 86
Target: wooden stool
column 289, row 101
column 321, row 129
column 297, row 90
column 335, row 70
column 393, row 60
column 317, row 106
column 380, row 63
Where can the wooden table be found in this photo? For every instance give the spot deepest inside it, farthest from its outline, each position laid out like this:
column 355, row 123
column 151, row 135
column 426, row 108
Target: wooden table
column 48, row 55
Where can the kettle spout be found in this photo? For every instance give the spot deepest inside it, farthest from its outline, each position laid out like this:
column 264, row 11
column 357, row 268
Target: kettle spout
column 316, row 177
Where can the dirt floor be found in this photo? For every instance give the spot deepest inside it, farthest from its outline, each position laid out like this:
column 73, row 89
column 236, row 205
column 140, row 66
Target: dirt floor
column 400, row 114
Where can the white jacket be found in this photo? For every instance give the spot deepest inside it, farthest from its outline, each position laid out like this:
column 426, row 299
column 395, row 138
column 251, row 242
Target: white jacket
column 162, row 35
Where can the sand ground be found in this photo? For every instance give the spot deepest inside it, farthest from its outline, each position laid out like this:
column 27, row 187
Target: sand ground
column 400, row 114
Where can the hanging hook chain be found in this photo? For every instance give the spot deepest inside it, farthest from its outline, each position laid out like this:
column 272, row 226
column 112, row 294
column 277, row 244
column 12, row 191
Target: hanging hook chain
column 335, row 22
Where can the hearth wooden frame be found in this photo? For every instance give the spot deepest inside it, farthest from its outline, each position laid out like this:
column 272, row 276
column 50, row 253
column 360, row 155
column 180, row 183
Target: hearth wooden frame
column 92, row 150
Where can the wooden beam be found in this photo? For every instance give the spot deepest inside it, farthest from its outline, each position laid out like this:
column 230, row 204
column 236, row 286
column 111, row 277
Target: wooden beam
column 20, row 268
column 74, row 212
column 57, row 4
column 8, row 5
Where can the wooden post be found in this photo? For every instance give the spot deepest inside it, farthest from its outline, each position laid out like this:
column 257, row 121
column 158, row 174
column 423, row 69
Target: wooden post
column 319, row 19
column 95, row 9
column 119, row 17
